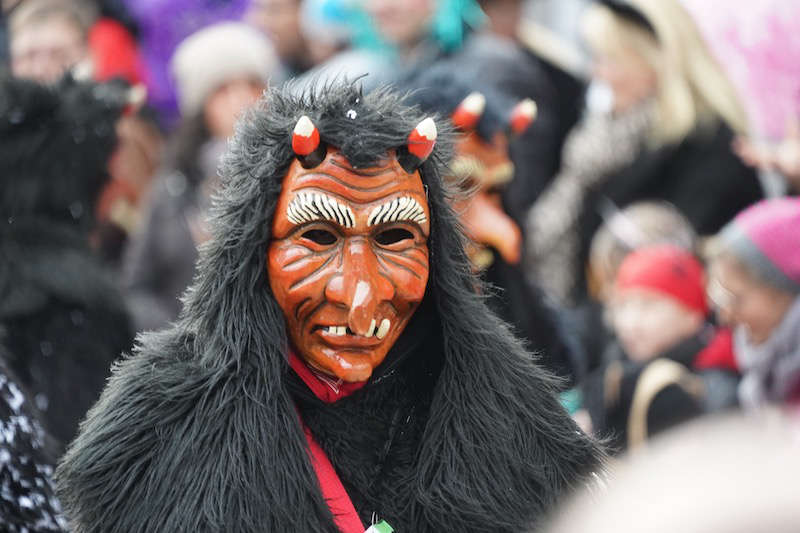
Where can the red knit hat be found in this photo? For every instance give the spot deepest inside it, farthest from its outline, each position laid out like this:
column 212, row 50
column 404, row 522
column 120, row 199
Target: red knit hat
column 669, row 270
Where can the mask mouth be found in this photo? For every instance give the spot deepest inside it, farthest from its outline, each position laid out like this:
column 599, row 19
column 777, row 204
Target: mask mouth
column 335, row 330
column 341, row 334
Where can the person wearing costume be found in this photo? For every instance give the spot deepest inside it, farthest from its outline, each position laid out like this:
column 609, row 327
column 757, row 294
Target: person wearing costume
column 488, row 124
column 391, row 39
column 670, row 363
column 333, row 366
column 62, row 318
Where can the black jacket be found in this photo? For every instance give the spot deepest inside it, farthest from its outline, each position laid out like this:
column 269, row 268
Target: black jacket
column 609, row 391
column 701, row 176
column 61, row 316
column 543, row 327
column 609, row 397
column 537, row 152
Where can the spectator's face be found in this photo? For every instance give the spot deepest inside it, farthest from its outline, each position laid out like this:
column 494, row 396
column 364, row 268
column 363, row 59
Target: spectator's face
column 401, row 22
column 280, row 20
column 43, row 51
column 648, row 323
column 628, row 75
column 742, row 301
column 226, row 104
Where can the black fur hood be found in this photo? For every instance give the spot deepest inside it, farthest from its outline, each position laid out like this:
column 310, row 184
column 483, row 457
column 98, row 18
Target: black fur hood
column 198, row 429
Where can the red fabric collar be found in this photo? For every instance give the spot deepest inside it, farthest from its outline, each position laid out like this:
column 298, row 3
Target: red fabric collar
column 326, row 388
column 718, row 354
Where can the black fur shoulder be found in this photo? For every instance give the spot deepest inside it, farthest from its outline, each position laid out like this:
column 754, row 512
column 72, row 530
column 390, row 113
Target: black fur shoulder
column 176, row 446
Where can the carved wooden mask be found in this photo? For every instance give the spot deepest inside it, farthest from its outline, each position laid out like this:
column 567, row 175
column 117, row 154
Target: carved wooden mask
column 348, row 263
column 485, row 167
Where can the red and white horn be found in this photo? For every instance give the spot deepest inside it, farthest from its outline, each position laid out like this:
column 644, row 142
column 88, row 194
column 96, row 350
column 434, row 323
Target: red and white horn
column 522, row 116
column 306, row 143
column 469, row 111
column 420, row 145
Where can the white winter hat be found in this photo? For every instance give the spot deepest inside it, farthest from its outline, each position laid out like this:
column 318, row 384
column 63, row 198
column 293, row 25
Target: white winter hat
column 215, row 55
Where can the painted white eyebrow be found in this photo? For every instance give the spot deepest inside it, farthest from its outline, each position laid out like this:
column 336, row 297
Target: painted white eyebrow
column 405, row 208
column 309, row 206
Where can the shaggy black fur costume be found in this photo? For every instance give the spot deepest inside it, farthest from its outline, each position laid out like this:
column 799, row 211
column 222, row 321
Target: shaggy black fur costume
column 198, row 430
column 61, row 317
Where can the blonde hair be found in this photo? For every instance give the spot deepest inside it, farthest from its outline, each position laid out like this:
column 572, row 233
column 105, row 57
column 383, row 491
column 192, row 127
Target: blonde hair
column 693, row 91
column 640, row 224
column 32, row 12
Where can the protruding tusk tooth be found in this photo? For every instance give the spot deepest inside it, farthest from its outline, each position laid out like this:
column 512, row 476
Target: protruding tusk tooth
column 371, row 330
column 341, row 330
column 383, row 329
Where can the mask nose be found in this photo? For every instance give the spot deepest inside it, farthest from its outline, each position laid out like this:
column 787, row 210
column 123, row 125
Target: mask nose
column 359, row 286
column 486, row 223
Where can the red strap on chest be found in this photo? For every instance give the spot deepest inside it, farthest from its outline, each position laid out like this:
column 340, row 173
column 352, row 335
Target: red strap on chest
column 342, row 509
column 328, row 390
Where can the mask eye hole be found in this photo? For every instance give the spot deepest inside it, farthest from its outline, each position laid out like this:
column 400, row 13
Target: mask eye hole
column 320, row 236
column 393, row 236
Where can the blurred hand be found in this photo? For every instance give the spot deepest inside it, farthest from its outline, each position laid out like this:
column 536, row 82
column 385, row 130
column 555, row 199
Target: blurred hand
column 783, row 157
column 131, row 168
column 138, row 153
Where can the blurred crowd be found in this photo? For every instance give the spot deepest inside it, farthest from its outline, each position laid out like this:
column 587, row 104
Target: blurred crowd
column 632, row 220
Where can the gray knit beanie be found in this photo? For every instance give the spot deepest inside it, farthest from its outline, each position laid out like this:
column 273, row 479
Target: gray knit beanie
column 215, row 55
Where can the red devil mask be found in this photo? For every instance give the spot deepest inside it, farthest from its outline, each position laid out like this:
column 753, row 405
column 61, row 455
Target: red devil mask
column 348, row 263
column 485, row 167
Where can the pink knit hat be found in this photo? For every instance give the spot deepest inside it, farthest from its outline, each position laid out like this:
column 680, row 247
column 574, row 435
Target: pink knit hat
column 766, row 238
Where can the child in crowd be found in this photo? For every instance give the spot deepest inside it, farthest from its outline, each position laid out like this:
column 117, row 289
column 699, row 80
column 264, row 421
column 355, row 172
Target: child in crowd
column 640, row 224
column 668, row 364
column 755, row 284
